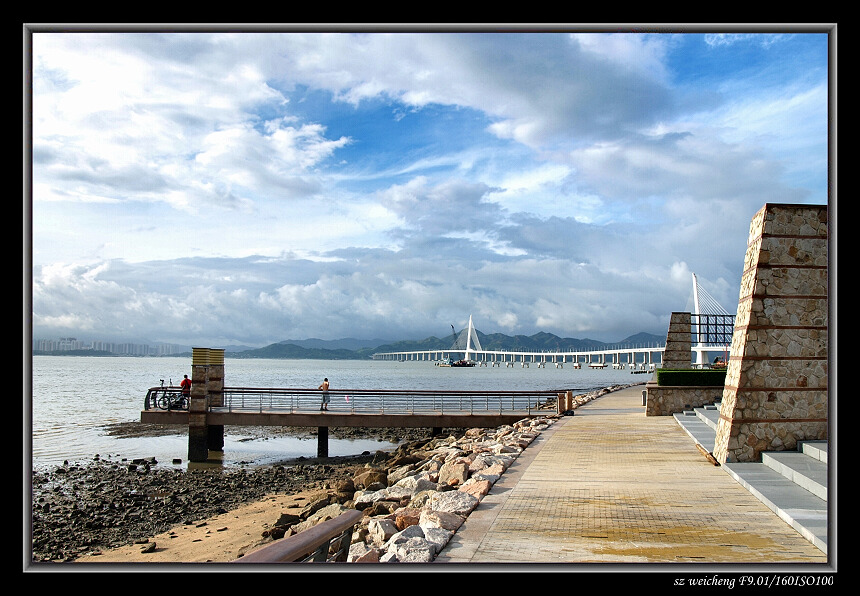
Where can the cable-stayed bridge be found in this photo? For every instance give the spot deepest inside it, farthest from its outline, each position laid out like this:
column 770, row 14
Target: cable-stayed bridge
column 711, row 331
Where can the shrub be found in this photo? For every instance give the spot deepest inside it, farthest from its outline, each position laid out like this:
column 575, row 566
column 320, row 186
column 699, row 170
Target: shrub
column 691, row 377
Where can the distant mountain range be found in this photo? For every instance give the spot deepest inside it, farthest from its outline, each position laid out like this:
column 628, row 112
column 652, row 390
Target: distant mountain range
column 354, row 349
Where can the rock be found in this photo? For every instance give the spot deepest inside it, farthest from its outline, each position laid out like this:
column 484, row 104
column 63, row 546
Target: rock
column 312, row 508
column 379, row 531
column 437, row 537
column 415, row 484
column 149, row 548
column 326, row 513
column 454, row 472
column 406, row 516
column 345, row 485
column 421, row 499
column 403, row 536
column 397, row 474
column 361, row 553
column 366, row 478
column 455, row 501
column 477, row 488
column 384, row 507
column 440, row 519
column 414, row 550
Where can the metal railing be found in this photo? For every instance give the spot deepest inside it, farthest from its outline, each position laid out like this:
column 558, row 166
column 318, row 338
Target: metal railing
column 373, row 401
column 713, row 330
column 327, row 541
column 152, row 395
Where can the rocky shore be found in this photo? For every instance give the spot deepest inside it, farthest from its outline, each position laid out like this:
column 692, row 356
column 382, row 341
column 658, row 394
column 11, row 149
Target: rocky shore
column 413, row 498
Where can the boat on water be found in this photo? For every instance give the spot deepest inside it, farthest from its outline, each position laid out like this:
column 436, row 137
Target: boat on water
column 450, row 363
column 464, row 363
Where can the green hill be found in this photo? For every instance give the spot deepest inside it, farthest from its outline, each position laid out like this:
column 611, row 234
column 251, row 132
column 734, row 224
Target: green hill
column 539, row 342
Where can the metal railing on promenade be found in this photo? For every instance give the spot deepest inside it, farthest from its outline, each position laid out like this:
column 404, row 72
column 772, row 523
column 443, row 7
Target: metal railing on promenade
column 327, row 541
column 154, row 393
column 377, row 401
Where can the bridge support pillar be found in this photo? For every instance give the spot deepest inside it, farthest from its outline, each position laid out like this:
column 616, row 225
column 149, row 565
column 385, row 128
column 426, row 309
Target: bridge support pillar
column 322, row 441
column 436, row 431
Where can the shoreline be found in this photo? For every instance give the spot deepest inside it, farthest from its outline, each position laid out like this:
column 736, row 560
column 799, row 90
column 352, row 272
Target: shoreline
column 100, row 505
column 113, row 512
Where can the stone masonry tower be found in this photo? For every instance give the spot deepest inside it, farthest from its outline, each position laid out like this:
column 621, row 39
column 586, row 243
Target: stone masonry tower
column 677, row 354
column 776, row 383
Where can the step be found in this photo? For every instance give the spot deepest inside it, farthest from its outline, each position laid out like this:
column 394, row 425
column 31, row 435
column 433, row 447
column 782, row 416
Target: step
column 805, row 471
column 815, row 449
column 795, row 505
column 699, row 430
column 709, row 414
column 793, row 484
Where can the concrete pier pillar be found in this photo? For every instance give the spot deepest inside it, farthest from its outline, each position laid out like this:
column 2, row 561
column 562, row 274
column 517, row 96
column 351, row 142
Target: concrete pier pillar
column 322, row 441
column 776, row 392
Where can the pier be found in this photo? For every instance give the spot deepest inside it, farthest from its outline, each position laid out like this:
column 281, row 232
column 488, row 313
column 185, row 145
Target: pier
column 249, row 406
column 212, row 406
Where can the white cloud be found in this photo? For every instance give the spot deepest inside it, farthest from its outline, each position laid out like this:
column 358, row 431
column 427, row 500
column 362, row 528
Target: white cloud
column 263, row 186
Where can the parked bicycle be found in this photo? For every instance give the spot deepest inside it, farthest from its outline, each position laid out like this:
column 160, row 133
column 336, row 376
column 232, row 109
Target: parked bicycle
column 171, row 398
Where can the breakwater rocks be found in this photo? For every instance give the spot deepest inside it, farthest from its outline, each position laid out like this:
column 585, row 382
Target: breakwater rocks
column 416, row 504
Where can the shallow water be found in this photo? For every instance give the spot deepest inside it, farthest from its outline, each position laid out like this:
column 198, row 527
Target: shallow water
column 74, row 399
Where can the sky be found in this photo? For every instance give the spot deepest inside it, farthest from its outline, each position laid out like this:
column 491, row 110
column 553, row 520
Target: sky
column 217, row 188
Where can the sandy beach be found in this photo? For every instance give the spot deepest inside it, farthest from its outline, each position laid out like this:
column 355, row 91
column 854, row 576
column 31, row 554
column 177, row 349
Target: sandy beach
column 219, row 539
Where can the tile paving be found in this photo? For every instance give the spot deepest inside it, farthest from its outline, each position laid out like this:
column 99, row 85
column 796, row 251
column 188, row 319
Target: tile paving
column 611, row 485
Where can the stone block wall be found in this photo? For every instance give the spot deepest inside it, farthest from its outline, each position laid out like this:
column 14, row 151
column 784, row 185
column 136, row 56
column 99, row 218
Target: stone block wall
column 776, row 383
column 668, row 399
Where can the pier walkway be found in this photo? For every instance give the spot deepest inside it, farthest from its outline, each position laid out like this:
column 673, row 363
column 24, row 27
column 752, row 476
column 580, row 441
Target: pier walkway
column 610, row 485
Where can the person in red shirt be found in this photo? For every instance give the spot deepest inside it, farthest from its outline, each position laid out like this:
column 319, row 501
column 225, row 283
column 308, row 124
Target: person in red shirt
column 186, row 386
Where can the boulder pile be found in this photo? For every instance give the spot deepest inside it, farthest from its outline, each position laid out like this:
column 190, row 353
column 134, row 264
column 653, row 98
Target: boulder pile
column 416, row 506
column 416, row 498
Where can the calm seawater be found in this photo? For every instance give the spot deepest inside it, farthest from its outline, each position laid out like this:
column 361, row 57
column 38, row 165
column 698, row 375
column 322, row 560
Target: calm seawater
column 73, row 400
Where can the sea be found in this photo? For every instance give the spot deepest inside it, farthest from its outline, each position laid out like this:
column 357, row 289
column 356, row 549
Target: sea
column 74, row 401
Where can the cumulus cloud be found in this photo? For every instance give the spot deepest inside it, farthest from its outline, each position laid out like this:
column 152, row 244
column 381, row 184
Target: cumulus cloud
column 253, row 187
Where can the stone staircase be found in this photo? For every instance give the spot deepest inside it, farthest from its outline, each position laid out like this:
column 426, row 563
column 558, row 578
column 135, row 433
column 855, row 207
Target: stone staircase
column 793, row 484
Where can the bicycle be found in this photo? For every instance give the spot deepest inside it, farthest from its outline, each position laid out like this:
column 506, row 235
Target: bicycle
column 171, row 399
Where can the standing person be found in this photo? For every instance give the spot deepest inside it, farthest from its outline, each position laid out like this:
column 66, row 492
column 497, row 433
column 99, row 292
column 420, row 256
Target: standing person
column 325, row 397
column 185, row 385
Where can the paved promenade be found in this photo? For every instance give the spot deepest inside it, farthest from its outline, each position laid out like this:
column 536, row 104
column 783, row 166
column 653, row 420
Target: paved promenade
column 610, row 485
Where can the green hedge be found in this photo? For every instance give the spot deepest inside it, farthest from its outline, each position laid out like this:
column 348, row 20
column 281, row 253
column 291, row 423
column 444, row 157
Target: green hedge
column 691, row 377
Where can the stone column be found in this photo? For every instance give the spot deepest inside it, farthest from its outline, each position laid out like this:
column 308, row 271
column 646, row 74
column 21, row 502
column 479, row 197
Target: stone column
column 198, row 432
column 776, row 383
column 678, row 351
column 215, row 393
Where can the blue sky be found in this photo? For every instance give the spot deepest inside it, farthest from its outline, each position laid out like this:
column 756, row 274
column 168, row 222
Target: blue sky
column 215, row 188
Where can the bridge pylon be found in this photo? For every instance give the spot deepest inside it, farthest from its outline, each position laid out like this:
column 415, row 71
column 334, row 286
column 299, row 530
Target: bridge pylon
column 469, row 338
